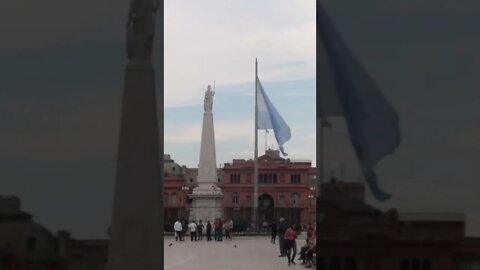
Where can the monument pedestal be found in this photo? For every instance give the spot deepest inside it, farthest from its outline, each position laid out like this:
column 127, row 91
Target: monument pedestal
column 207, row 197
column 207, row 203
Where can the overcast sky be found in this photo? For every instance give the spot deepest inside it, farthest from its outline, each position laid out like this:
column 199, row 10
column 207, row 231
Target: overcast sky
column 62, row 66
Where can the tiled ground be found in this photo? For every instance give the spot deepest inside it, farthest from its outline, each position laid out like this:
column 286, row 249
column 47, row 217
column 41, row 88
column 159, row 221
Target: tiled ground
column 250, row 253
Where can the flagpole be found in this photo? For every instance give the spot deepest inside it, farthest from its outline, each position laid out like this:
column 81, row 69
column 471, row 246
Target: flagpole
column 255, row 170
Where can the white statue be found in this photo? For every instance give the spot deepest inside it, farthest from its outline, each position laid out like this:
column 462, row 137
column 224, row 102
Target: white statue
column 140, row 29
column 208, row 100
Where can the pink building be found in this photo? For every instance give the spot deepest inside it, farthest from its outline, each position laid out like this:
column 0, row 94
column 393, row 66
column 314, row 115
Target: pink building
column 284, row 189
column 357, row 236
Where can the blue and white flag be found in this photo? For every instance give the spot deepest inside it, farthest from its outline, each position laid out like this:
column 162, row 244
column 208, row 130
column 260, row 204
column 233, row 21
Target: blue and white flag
column 269, row 118
column 372, row 122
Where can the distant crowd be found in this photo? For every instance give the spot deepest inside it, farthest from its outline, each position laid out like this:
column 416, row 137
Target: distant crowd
column 197, row 230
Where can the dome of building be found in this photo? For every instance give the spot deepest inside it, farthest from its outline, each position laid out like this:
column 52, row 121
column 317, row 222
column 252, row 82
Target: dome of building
column 170, row 167
column 28, row 241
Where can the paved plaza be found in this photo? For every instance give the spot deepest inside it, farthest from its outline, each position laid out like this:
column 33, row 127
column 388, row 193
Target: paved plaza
column 250, row 253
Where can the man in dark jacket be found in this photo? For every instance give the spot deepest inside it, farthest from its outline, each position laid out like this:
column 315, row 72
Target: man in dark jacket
column 273, row 228
column 209, row 231
column 282, row 227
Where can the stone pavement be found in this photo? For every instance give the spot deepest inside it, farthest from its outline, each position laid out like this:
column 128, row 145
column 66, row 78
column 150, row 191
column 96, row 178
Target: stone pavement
column 254, row 252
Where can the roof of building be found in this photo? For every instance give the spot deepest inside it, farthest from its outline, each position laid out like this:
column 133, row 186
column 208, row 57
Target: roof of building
column 346, row 203
column 17, row 235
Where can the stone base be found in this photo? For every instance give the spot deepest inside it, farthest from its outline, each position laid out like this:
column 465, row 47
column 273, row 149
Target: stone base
column 207, row 204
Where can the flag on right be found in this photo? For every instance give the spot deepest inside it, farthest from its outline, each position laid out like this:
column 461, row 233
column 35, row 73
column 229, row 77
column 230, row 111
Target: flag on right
column 269, row 118
column 372, row 122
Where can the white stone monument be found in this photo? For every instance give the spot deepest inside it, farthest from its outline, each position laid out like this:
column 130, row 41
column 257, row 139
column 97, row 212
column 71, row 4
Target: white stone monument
column 136, row 232
column 207, row 196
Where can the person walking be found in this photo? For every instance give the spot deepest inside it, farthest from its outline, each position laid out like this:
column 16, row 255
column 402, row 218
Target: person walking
column 273, row 228
column 228, row 229
column 220, row 230
column 193, row 231
column 200, row 230
column 282, row 227
column 184, row 229
column 209, row 231
column 290, row 236
column 215, row 229
column 177, row 227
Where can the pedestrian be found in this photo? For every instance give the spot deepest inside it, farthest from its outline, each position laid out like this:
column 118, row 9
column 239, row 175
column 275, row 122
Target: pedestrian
column 307, row 246
column 177, row 227
column 273, row 227
column 282, row 227
column 184, row 229
column 228, row 229
column 200, row 230
column 218, row 230
column 215, row 229
column 209, row 231
column 290, row 236
column 193, row 231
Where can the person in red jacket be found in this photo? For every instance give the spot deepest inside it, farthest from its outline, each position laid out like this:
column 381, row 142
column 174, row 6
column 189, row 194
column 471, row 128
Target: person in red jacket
column 290, row 236
column 215, row 229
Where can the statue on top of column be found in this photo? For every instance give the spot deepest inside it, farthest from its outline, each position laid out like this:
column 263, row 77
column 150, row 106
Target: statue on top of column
column 140, row 29
column 208, row 100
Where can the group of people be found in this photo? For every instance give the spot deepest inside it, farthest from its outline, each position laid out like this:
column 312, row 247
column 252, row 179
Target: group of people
column 197, row 230
column 287, row 236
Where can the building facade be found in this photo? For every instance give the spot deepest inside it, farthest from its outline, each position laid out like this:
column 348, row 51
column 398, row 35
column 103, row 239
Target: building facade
column 356, row 236
column 285, row 189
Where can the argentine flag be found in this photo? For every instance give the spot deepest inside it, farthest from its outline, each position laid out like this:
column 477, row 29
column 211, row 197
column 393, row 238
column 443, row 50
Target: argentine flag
column 372, row 122
column 269, row 118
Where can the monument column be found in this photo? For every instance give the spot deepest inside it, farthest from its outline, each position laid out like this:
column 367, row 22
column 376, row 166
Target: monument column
column 136, row 227
column 207, row 196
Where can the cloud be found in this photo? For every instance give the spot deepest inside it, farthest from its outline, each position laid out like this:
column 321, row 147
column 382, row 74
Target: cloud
column 225, row 131
column 227, row 37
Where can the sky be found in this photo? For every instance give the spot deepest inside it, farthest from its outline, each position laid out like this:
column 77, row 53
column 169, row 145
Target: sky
column 218, row 42
column 61, row 78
